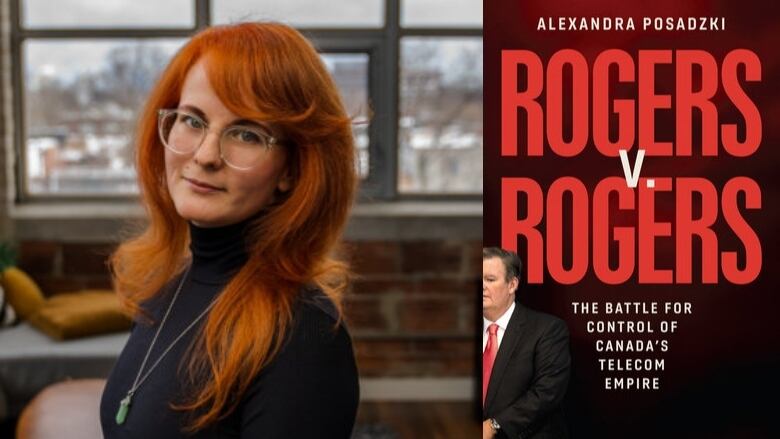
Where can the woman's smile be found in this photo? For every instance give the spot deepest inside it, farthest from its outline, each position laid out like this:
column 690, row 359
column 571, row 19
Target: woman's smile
column 202, row 187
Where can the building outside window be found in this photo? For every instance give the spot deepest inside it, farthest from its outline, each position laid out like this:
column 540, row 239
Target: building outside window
column 410, row 73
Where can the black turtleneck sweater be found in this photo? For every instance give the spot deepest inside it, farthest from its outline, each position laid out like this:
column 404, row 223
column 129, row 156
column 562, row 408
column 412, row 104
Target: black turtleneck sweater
column 310, row 390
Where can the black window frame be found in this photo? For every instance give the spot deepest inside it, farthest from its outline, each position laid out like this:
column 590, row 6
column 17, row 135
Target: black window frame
column 381, row 44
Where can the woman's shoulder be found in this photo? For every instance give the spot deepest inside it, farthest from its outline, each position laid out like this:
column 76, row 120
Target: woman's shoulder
column 313, row 300
column 311, row 387
column 316, row 346
column 316, row 321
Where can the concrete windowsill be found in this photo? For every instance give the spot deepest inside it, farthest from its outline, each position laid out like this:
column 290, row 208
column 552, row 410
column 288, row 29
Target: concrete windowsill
column 107, row 221
column 133, row 210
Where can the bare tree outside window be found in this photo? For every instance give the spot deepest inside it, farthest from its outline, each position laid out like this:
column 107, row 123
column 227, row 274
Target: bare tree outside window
column 441, row 13
column 80, row 14
column 85, row 68
column 440, row 129
column 350, row 71
column 80, row 122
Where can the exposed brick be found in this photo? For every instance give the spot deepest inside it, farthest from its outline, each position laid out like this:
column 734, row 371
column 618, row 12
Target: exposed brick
column 446, row 348
column 460, row 366
column 428, row 315
column 375, row 257
column 37, row 257
column 410, row 367
column 99, row 282
column 403, row 357
column 394, row 357
column 382, row 367
column 409, row 285
column 80, row 259
column 471, row 315
column 431, row 257
column 394, row 348
column 466, row 287
column 370, row 286
column 51, row 285
column 404, row 290
column 364, row 313
column 474, row 259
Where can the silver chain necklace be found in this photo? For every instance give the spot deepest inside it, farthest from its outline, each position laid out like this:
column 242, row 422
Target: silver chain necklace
column 124, row 405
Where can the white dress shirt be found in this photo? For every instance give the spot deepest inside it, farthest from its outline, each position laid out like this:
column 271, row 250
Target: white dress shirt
column 502, row 323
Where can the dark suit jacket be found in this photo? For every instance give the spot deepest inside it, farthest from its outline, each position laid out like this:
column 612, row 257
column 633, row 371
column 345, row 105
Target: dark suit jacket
column 530, row 377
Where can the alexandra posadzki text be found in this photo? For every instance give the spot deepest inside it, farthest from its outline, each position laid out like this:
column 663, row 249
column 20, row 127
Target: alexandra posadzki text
column 631, row 23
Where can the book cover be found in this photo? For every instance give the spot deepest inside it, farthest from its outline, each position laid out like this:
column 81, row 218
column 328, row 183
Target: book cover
column 631, row 153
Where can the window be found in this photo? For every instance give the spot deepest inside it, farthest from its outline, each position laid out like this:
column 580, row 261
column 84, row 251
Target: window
column 441, row 13
column 75, row 14
column 440, row 97
column 350, row 71
column 81, row 72
column 303, row 13
column 440, row 125
column 80, row 115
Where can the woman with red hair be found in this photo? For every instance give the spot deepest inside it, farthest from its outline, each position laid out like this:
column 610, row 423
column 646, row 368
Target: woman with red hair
column 245, row 160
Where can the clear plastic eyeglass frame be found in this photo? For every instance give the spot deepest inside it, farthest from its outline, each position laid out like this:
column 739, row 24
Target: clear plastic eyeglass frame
column 255, row 150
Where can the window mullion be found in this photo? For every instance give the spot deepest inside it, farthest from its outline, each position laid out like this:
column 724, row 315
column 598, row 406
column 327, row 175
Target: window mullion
column 202, row 13
column 392, row 73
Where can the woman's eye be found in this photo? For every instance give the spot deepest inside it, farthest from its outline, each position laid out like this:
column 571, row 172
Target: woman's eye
column 247, row 136
column 191, row 122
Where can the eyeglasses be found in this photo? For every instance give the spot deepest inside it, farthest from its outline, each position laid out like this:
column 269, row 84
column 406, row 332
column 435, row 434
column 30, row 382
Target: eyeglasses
column 240, row 146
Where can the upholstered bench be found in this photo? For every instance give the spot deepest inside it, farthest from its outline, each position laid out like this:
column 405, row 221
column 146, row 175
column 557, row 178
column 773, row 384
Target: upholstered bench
column 30, row 361
column 66, row 410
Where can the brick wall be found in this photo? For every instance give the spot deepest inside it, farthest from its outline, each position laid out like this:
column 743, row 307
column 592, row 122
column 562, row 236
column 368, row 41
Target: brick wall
column 62, row 267
column 411, row 310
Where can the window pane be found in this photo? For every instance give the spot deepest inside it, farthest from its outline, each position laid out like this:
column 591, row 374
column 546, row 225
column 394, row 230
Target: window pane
column 440, row 129
column 350, row 71
column 305, row 13
column 80, row 116
column 107, row 13
column 441, row 13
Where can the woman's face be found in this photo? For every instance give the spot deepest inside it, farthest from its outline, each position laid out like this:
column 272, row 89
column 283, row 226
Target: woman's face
column 204, row 189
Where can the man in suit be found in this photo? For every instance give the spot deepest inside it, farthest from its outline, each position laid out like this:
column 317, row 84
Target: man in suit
column 525, row 360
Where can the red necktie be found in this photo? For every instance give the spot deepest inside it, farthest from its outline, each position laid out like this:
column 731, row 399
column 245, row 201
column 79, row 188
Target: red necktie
column 488, row 358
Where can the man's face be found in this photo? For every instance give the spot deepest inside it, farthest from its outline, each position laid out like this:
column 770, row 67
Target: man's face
column 497, row 293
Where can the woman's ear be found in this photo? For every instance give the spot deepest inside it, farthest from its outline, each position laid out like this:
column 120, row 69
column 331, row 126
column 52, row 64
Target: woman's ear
column 285, row 181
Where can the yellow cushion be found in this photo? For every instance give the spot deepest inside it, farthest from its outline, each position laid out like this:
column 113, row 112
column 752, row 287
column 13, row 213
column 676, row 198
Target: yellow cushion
column 80, row 314
column 22, row 292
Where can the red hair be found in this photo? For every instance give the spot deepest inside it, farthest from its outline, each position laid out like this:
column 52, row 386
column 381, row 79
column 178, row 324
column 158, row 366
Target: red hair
column 267, row 72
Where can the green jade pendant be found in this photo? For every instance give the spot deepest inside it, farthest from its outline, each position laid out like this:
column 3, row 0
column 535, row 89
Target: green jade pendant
column 124, row 407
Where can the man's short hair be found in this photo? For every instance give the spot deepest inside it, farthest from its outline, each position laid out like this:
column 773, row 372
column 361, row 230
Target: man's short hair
column 512, row 262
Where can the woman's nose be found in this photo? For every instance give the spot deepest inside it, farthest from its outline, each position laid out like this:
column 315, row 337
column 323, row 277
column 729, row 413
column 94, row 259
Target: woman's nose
column 208, row 153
